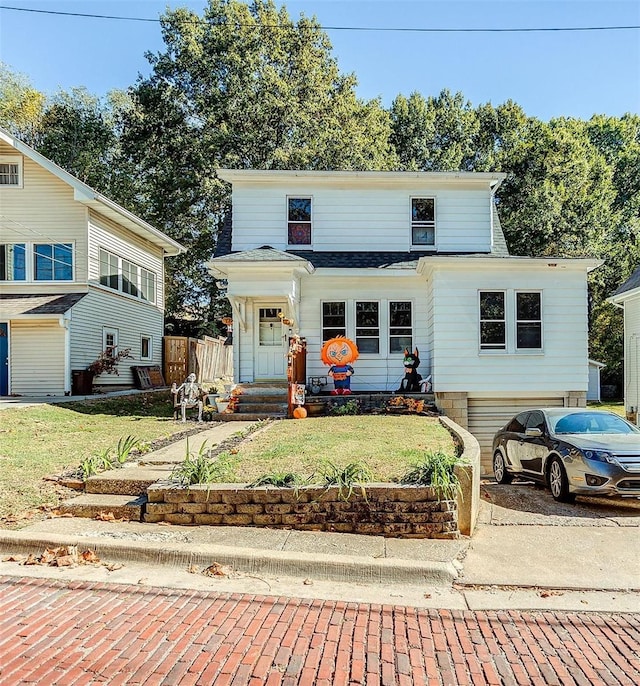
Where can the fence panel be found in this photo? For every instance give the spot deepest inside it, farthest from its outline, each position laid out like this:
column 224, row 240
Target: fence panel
column 207, row 358
column 175, row 359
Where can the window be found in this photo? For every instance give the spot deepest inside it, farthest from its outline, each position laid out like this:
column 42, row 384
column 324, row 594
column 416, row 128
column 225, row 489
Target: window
column 368, row 327
column 127, row 277
column 110, row 341
column 518, row 423
column 400, row 327
column 53, row 262
column 334, row 320
column 146, row 347
column 536, row 421
column 10, row 171
column 13, row 263
column 528, row 321
column 299, row 221
column 493, row 328
column 423, row 221
column 270, row 330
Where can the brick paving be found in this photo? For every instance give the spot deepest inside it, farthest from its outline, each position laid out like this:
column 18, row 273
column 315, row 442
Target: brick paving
column 75, row 633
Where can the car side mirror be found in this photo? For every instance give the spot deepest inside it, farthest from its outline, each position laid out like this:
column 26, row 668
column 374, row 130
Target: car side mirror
column 533, row 433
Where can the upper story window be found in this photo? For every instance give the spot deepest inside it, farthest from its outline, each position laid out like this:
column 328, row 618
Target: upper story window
column 13, row 262
column 400, row 326
column 36, row 262
column 127, row 277
column 423, row 221
column 528, row 320
column 10, row 171
column 299, row 221
column 493, row 325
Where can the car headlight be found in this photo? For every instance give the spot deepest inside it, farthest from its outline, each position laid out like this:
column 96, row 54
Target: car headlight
column 600, row 456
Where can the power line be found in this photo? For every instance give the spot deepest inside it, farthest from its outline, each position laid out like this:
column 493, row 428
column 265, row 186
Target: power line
column 414, row 29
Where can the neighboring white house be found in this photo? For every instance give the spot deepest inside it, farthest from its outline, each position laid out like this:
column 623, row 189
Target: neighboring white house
column 78, row 275
column 628, row 297
column 593, row 391
column 403, row 259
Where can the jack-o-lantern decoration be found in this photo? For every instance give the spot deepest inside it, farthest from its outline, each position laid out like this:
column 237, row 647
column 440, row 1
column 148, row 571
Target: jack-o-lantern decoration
column 300, row 413
column 338, row 353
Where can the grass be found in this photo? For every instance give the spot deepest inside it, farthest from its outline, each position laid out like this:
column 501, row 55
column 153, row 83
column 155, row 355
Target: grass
column 388, row 445
column 611, row 406
column 49, row 439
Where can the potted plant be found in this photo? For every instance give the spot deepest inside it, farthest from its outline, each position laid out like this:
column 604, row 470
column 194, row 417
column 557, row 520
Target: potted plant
column 105, row 363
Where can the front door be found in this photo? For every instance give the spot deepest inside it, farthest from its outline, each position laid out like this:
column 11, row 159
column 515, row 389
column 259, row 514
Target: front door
column 270, row 343
column 4, row 359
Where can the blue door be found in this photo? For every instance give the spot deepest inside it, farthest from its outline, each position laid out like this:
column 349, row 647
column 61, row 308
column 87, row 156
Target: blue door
column 4, row 359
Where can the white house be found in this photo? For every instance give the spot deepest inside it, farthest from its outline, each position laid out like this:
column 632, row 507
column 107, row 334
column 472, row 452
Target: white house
column 628, row 297
column 78, row 275
column 403, row 259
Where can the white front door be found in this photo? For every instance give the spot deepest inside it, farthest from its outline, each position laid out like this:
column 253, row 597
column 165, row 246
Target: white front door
column 270, row 349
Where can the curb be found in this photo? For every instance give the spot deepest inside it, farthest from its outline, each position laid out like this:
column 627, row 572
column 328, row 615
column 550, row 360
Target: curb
column 338, row 568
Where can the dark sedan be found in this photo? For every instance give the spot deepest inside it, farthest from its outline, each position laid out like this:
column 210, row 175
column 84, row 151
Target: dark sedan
column 573, row 451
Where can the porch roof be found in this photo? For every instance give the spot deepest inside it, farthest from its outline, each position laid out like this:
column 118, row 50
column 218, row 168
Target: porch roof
column 21, row 305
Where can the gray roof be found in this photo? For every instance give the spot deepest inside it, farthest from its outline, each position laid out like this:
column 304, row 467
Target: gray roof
column 499, row 242
column 264, row 254
column 14, row 305
column 630, row 284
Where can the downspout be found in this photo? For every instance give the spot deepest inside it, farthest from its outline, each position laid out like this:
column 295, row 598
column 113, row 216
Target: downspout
column 65, row 323
column 492, row 197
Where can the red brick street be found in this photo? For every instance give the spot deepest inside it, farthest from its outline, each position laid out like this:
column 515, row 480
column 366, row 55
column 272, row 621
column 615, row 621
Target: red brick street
column 74, row 633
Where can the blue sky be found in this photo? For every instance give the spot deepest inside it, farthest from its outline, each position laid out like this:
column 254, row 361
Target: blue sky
column 548, row 74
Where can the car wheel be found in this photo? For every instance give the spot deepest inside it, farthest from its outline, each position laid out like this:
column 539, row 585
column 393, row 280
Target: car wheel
column 558, row 482
column 500, row 469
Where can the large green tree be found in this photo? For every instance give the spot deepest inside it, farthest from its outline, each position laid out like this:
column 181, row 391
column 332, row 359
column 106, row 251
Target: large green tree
column 242, row 86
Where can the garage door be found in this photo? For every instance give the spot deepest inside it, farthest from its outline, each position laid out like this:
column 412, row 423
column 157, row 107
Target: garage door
column 487, row 415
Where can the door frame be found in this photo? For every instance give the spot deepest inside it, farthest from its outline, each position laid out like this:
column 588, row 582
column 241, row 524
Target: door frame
column 282, row 306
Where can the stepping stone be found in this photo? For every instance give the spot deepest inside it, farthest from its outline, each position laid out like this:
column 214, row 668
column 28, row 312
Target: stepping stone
column 92, row 505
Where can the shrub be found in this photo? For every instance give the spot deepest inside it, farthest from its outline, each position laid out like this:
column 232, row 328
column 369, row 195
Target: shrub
column 437, row 471
column 346, row 478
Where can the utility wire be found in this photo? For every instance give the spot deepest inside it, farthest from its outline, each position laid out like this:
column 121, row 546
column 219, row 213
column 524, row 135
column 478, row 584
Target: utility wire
column 399, row 29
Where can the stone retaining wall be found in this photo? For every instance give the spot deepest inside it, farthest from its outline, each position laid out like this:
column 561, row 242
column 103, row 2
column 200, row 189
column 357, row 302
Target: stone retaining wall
column 388, row 509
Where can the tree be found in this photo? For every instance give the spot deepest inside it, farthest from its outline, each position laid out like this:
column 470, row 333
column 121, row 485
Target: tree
column 244, row 87
column 21, row 105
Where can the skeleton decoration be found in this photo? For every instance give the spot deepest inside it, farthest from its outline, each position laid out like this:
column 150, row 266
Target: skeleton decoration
column 190, row 394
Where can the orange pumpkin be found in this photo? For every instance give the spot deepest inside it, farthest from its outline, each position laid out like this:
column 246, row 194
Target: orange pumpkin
column 299, row 413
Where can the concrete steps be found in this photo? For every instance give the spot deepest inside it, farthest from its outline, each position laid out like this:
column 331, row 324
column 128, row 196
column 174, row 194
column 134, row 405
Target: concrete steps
column 133, row 481
column 91, row 505
column 262, row 401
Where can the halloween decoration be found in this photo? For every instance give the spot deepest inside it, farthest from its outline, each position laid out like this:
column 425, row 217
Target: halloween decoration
column 299, row 413
column 189, row 394
column 411, row 381
column 339, row 352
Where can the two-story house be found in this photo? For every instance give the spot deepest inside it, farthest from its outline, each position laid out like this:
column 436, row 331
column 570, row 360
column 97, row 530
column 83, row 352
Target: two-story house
column 78, row 275
column 397, row 260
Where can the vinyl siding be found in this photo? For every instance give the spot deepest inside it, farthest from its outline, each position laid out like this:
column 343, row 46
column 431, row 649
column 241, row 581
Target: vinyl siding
column 348, row 218
column 44, row 211
column 632, row 353
column 37, row 358
column 132, row 319
column 116, row 240
column 459, row 365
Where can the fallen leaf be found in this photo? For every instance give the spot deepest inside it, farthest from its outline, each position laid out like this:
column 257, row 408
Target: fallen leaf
column 89, row 556
column 548, row 594
column 193, row 569
column 214, row 570
column 113, row 566
column 427, row 595
column 308, row 582
column 13, row 558
column 105, row 517
column 65, row 561
column 31, row 560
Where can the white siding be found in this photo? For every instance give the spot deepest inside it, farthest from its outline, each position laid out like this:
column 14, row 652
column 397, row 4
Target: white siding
column 378, row 218
column 43, row 211
column 459, row 365
column 632, row 354
column 132, row 319
column 109, row 236
column 37, row 358
column 593, row 391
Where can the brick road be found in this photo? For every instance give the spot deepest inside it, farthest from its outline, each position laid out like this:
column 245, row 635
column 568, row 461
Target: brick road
column 77, row 633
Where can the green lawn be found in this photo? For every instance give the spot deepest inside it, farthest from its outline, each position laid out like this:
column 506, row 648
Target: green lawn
column 611, row 406
column 48, row 439
column 388, row 444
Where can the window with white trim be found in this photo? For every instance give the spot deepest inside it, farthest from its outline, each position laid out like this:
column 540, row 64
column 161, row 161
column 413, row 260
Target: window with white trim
column 10, row 171
column 334, row 319
column 423, row 221
column 493, row 320
column 528, row 320
column 299, row 221
column 368, row 327
column 146, row 347
column 127, row 277
column 110, row 341
column 400, row 326
column 36, row 262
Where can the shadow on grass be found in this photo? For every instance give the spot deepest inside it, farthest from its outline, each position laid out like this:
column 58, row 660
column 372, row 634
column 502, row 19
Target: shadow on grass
column 138, row 405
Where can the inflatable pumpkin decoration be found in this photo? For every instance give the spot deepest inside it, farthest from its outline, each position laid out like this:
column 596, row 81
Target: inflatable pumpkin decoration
column 338, row 353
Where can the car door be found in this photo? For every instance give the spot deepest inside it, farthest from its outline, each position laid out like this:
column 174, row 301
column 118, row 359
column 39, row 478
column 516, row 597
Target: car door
column 534, row 448
column 514, row 439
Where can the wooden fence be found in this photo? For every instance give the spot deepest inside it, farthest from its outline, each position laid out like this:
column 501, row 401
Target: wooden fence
column 208, row 358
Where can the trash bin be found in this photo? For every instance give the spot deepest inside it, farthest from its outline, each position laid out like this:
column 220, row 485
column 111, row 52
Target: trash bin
column 81, row 382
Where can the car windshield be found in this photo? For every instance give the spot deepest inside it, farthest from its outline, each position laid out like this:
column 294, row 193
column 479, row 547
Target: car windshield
column 589, row 423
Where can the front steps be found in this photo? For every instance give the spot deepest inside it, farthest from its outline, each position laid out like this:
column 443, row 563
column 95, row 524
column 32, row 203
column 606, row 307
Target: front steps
column 92, row 505
column 256, row 401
